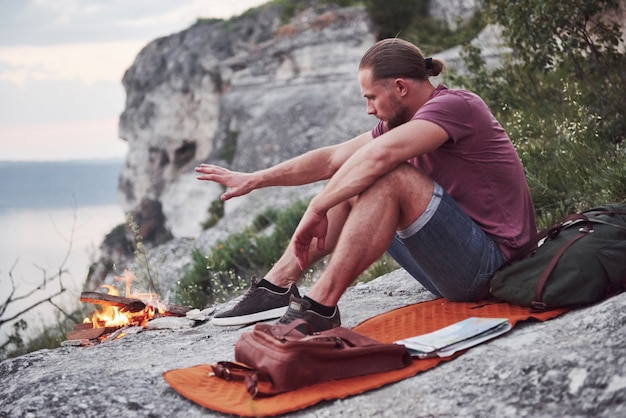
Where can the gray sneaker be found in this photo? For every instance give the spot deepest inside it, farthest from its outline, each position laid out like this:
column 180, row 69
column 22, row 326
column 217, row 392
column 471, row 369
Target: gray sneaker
column 301, row 308
column 257, row 304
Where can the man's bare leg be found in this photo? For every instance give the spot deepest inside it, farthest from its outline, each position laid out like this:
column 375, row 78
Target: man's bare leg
column 394, row 202
column 287, row 271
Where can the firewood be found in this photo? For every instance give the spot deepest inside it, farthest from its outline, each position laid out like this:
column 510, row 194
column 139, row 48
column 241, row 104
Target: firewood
column 82, row 326
column 115, row 334
column 110, row 300
column 175, row 310
column 130, row 304
column 85, row 334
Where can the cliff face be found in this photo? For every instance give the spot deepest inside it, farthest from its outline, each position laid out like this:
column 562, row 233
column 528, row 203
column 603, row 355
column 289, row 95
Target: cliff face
column 247, row 93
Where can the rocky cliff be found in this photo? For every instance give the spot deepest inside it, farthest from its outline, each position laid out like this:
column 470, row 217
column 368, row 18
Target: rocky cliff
column 246, row 93
column 250, row 92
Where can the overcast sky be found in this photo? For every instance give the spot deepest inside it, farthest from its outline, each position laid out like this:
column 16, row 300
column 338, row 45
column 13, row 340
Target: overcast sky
column 61, row 65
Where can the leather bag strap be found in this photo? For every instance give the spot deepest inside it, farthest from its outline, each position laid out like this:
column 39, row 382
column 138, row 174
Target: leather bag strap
column 236, row 372
column 538, row 304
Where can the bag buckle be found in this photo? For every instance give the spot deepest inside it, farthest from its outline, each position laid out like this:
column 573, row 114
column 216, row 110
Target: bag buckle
column 221, row 371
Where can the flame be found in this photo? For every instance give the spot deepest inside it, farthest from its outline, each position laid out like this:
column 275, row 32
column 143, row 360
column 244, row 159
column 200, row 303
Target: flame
column 112, row 316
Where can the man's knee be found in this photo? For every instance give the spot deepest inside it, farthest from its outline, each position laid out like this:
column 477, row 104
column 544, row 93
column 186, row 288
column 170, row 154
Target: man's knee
column 410, row 188
column 407, row 177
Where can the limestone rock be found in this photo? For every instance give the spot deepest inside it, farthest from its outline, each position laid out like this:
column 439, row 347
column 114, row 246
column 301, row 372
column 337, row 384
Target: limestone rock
column 200, row 315
column 250, row 91
column 453, row 12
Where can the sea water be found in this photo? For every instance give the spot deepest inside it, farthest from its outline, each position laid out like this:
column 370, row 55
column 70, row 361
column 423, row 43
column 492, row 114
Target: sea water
column 53, row 217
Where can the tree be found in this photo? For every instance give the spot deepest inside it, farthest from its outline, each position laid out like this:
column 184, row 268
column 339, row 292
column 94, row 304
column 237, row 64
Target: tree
column 393, row 18
column 580, row 39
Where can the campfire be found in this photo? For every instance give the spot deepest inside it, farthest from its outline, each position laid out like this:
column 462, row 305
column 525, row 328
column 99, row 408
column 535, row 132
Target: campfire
column 120, row 314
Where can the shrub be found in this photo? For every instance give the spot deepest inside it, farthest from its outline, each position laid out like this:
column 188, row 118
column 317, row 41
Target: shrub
column 225, row 271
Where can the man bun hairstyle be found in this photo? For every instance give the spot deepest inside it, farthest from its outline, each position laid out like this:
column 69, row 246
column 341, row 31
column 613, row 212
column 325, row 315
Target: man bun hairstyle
column 397, row 58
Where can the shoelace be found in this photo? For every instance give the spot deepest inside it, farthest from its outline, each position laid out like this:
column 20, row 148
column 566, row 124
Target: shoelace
column 290, row 316
column 249, row 294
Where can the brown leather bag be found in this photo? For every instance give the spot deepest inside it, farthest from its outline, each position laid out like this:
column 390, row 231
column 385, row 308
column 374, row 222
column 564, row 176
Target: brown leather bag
column 278, row 358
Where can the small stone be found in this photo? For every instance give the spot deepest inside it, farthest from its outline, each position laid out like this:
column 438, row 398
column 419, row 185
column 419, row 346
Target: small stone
column 200, row 315
column 83, row 342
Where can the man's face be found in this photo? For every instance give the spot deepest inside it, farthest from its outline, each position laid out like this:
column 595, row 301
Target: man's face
column 383, row 99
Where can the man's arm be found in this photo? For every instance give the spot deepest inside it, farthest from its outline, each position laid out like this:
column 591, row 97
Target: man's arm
column 369, row 163
column 315, row 165
column 377, row 158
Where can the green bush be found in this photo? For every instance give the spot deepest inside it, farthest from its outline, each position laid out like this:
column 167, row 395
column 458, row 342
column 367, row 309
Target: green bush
column 226, row 270
column 216, row 212
column 19, row 343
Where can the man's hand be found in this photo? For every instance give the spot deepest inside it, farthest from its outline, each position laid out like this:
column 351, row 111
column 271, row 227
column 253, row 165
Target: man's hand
column 238, row 184
column 312, row 225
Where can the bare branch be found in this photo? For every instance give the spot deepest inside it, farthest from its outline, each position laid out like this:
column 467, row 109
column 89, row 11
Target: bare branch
column 6, row 303
column 46, row 281
column 31, row 307
column 67, row 315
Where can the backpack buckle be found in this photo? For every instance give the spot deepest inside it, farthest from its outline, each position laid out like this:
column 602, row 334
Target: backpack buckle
column 538, row 306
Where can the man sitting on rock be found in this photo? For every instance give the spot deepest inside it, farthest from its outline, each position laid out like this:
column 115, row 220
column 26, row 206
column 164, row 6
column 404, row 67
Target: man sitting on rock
column 437, row 183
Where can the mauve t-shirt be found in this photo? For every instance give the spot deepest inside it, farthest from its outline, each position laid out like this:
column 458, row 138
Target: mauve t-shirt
column 478, row 166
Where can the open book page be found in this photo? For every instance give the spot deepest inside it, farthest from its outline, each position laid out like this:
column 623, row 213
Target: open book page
column 459, row 336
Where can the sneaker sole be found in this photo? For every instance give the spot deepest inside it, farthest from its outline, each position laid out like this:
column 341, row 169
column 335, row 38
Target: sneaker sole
column 249, row 319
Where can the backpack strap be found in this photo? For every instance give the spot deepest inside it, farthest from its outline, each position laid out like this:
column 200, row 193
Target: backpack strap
column 538, row 305
column 548, row 233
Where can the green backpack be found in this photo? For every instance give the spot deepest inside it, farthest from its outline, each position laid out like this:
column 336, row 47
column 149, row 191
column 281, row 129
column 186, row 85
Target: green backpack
column 577, row 262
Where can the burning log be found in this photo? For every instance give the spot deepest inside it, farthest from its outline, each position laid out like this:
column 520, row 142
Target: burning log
column 131, row 304
column 87, row 332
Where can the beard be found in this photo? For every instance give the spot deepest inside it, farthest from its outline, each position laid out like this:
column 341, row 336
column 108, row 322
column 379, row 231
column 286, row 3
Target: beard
column 400, row 115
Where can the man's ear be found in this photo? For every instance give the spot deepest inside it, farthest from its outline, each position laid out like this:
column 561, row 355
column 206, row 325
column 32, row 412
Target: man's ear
column 401, row 86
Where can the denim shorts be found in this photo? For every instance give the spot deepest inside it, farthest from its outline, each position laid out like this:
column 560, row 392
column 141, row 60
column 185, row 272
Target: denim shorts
column 446, row 251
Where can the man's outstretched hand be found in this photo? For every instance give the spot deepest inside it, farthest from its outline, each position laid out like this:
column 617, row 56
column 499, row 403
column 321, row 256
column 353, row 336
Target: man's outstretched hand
column 312, row 225
column 238, row 184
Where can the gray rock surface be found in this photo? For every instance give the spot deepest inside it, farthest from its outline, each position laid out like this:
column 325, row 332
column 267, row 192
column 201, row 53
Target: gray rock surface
column 453, row 12
column 254, row 87
column 571, row 366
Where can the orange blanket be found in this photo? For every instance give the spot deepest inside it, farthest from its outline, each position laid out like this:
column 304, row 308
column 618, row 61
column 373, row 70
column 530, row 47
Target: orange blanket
column 195, row 384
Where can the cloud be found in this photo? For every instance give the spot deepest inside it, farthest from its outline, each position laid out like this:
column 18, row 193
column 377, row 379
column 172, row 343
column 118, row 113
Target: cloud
column 85, row 62
column 53, row 22
column 61, row 65
column 96, row 138
column 48, row 101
